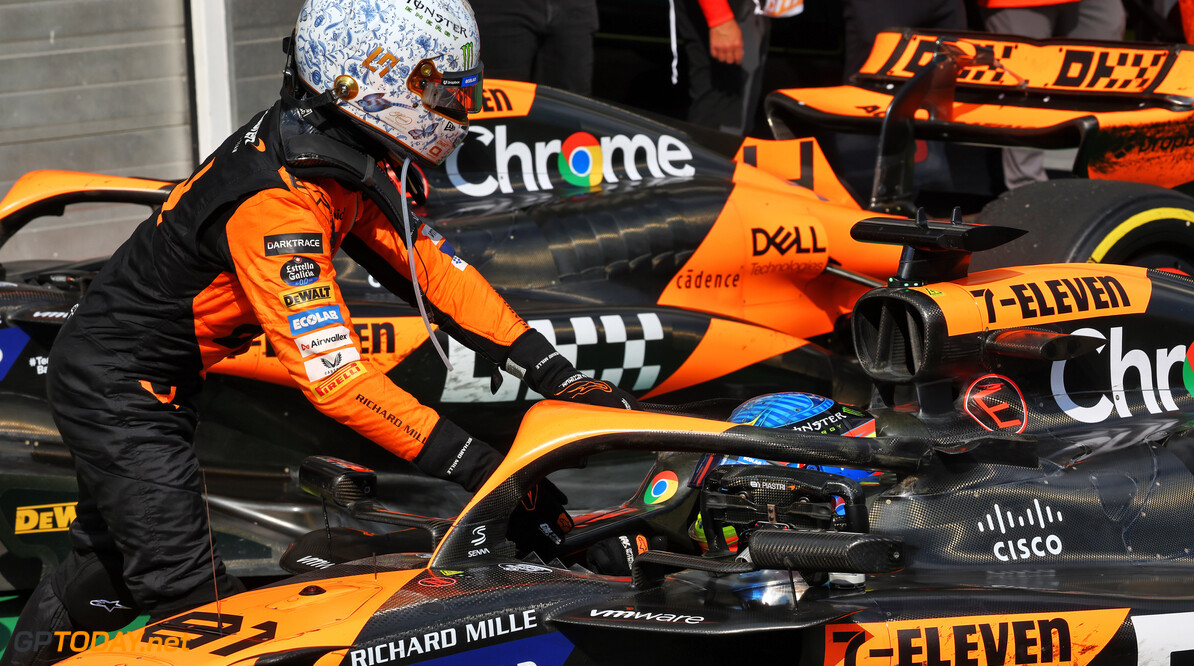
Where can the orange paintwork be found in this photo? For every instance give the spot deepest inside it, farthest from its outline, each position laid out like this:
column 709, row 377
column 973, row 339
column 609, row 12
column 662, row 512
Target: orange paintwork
column 762, row 259
column 333, row 618
column 40, row 185
column 506, row 99
column 782, row 158
column 1151, row 143
column 1073, row 638
column 1040, row 295
column 727, row 346
column 552, row 424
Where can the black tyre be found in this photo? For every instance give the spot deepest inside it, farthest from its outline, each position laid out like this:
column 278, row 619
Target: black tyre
column 1093, row 221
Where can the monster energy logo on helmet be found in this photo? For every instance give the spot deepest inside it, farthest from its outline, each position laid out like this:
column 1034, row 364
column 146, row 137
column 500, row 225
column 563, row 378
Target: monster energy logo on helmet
column 469, row 60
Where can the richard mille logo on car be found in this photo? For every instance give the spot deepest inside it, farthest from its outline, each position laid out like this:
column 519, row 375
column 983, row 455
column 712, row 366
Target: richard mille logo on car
column 1037, row 518
column 433, row 641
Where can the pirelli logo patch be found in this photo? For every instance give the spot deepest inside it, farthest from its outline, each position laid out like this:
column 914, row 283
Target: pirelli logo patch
column 284, row 244
column 341, row 378
column 316, row 294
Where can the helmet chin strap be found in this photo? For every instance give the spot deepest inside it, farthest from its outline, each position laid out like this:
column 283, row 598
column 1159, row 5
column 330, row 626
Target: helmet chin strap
column 410, row 255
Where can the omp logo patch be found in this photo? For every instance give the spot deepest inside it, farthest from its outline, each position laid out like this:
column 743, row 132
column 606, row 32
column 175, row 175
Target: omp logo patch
column 323, row 341
column 310, row 320
column 340, row 379
column 293, row 244
column 307, row 296
column 44, row 518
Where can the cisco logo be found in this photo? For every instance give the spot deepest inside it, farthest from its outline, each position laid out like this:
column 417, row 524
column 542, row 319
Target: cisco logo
column 1036, row 517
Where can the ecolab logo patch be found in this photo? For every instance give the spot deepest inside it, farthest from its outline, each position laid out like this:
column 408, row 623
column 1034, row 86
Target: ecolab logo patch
column 309, row 320
column 323, row 341
column 300, row 298
column 293, row 244
column 322, row 366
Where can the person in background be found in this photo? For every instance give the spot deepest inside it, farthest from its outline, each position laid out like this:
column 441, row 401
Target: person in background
column 725, row 43
column 864, row 19
column 1042, row 19
column 542, row 41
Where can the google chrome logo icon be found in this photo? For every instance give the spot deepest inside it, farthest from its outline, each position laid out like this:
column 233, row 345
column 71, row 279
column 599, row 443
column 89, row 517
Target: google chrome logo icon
column 580, row 160
column 662, row 488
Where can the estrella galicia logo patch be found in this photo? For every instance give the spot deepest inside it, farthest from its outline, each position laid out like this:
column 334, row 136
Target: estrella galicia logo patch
column 996, row 403
column 293, row 244
column 300, row 271
column 309, row 320
column 296, row 299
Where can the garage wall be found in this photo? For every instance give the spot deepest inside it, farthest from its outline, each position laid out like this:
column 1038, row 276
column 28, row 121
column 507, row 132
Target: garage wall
column 91, row 85
column 103, row 85
column 258, row 27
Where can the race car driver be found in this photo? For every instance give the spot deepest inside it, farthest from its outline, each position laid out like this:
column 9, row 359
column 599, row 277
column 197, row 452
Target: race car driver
column 245, row 245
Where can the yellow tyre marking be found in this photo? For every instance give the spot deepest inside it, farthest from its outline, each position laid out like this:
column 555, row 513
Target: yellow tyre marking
column 1136, row 221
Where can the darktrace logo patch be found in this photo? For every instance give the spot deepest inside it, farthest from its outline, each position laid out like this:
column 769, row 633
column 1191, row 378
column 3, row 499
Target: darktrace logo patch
column 300, row 271
column 293, row 244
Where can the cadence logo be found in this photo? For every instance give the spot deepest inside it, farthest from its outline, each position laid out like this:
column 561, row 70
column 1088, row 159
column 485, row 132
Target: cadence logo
column 1037, row 517
column 581, row 159
column 1121, row 364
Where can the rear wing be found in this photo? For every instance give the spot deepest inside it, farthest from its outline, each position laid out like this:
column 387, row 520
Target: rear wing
column 1127, row 107
column 1077, row 73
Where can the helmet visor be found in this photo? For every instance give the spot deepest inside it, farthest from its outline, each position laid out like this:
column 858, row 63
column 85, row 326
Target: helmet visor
column 451, row 94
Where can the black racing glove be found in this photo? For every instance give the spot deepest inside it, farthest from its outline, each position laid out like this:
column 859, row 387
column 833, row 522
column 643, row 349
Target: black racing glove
column 615, row 556
column 451, row 454
column 536, row 362
column 539, row 522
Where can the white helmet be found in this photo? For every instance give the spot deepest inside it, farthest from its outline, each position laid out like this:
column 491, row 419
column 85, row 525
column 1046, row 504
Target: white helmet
column 408, row 71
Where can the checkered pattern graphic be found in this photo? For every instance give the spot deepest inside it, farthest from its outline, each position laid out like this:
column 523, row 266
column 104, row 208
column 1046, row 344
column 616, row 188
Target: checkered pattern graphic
column 616, row 348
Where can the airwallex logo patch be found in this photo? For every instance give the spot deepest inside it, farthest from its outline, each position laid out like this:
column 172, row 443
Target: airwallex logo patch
column 1024, row 534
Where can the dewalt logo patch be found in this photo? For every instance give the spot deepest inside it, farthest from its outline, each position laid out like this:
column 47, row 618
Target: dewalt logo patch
column 297, row 299
column 43, row 518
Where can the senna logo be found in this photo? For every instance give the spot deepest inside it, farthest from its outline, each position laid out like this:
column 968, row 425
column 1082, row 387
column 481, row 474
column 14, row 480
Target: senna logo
column 296, row 299
column 44, row 518
column 1072, row 638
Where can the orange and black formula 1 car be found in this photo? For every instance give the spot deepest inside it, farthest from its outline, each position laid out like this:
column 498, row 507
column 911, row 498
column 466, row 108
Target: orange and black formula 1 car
column 1032, row 505
column 1126, row 110
column 681, row 264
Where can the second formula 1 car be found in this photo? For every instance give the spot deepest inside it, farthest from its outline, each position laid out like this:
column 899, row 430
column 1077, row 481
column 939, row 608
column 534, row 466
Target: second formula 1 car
column 1026, row 499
